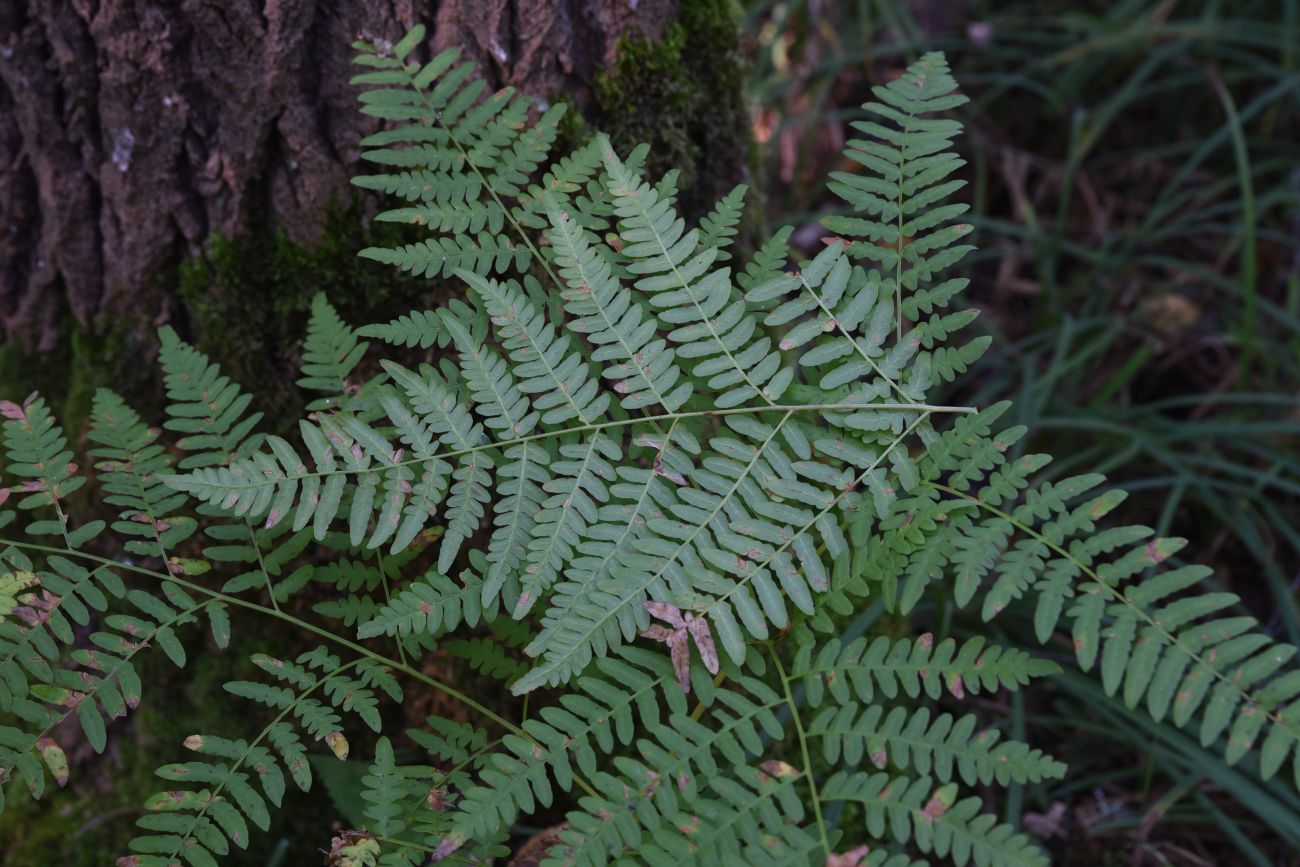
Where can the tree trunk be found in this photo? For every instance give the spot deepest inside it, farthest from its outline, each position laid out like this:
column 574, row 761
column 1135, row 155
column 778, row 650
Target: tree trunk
column 131, row 131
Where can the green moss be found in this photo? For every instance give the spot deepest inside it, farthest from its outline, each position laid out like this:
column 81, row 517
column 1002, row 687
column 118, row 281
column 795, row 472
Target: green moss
column 83, row 361
column 684, row 96
column 245, row 301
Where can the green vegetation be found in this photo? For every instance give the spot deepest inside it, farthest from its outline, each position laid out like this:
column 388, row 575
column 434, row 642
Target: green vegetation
column 684, row 95
column 718, row 555
column 1134, row 189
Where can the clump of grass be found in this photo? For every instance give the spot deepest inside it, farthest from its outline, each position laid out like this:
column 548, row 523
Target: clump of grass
column 1136, row 175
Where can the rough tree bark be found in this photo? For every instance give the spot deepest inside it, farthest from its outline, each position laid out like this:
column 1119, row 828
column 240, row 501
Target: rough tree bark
column 131, row 131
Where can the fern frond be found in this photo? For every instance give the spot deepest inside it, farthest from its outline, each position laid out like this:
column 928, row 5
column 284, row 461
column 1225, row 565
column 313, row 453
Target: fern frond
column 637, row 495
column 432, row 604
column 418, row 328
column 577, row 490
column 646, row 372
column 908, row 164
column 383, row 792
column 711, row 324
column 36, row 451
column 40, row 690
column 329, row 355
column 561, row 741
column 718, row 227
column 131, row 469
column 542, row 360
column 739, row 575
column 205, row 406
column 911, row 740
column 933, row 820
column 482, row 253
column 751, row 498
column 196, row 825
column 862, row 667
column 668, row 784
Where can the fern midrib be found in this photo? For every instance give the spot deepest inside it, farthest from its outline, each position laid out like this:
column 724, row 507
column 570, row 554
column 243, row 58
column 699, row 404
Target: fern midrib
column 604, row 315
column 802, row 735
column 173, row 479
column 591, row 628
column 852, row 341
column 122, row 662
column 248, row 750
column 631, row 196
column 1139, row 611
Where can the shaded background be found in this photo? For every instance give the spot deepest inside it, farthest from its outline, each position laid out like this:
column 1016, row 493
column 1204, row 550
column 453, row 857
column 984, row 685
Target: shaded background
column 1135, row 174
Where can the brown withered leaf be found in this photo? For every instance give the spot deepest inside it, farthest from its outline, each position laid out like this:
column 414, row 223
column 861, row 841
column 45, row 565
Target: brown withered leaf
column 683, row 624
column 778, row 769
column 352, row 849
column 1046, row 826
column 534, row 850
column 851, row 858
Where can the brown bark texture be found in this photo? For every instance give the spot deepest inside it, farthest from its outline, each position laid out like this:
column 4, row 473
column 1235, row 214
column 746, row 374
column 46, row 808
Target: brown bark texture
column 131, row 131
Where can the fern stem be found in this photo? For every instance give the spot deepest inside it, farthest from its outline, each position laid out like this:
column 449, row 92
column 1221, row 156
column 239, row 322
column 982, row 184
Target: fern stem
column 383, row 575
column 616, row 423
column 444, row 688
column 261, row 563
column 803, row 749
column 854, row 343
column 700, row 706
column 1119, row 597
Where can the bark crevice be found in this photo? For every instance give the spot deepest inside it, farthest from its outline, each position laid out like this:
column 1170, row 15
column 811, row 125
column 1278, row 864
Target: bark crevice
column 132, row 131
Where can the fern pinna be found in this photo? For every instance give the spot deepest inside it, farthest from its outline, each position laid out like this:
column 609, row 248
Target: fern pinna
column 643, row 482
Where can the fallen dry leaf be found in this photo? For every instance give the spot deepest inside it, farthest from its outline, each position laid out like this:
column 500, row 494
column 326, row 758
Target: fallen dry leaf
column 683, row 625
